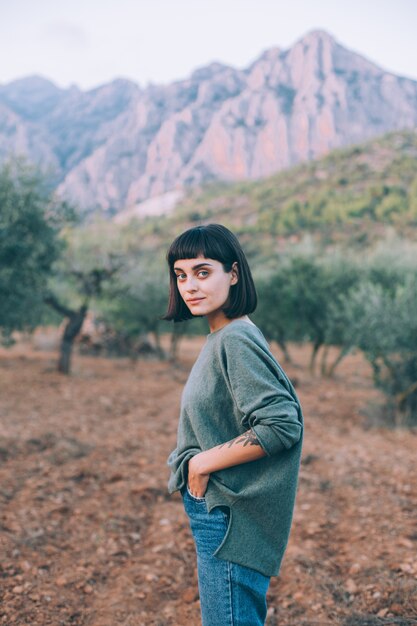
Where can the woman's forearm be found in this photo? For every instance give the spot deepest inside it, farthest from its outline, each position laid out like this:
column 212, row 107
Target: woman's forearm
column 241, row 449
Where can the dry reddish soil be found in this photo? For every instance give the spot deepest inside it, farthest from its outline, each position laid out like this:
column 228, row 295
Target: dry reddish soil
column 90, row 536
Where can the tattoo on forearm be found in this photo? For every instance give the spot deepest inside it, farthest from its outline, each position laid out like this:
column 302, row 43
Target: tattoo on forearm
column 248, row 439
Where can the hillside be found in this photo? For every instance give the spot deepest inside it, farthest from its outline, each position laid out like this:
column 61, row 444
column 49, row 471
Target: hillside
column 117, row 145
column 351, row 198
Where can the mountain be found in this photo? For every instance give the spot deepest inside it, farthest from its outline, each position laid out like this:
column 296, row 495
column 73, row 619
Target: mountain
column 118, row 145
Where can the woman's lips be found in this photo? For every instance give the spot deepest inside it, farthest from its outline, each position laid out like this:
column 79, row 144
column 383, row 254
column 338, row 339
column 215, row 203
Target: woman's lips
column 194, row 300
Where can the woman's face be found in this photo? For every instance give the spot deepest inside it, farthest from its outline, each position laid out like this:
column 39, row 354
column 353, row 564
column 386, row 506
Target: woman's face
column 204, row 285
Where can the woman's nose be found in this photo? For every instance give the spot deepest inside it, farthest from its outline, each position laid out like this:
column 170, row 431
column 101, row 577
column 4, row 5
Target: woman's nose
column 191, row 284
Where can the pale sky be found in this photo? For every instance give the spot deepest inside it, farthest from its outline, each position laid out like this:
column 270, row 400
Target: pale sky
column 91, row 42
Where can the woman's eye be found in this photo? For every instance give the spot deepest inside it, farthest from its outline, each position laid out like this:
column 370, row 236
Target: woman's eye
column 200, row 274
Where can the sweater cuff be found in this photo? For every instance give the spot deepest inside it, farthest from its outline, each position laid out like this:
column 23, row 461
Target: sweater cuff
column 268, row 439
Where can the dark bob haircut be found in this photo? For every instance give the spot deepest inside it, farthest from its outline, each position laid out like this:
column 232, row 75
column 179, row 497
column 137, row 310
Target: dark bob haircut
column 217, row 242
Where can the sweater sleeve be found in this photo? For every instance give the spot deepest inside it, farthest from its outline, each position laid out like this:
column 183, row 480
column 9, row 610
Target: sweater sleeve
column 261, row 393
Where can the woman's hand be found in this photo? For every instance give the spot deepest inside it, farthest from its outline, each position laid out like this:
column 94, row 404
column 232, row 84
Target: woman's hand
column 197, row 479
column 242, row 449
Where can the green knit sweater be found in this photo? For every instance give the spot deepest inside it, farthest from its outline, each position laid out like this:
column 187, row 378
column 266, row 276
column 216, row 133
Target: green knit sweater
column 237, row 384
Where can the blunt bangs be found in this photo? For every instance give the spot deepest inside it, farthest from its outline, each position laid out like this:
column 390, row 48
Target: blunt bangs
column 197, row 242
column 212, row 241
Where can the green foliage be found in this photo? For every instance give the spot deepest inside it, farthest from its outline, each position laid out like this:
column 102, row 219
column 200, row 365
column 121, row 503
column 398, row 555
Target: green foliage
column 384, row 325
column 135, row 304
column 298, row 300
column 30, row 220
column 274, row 313
column 370, row 305
column 92, row 257
column 412, row 200
column 383, row 271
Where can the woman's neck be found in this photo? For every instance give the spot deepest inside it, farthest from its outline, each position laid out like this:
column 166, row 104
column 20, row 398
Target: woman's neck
column 219, row 320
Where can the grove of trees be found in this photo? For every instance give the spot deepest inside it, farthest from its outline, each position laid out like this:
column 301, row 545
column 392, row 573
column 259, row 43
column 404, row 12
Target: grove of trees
column 349, row 304
column 53, row 268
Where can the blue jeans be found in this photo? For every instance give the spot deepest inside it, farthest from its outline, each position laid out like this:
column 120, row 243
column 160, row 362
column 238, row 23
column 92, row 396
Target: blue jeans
column 230, row 594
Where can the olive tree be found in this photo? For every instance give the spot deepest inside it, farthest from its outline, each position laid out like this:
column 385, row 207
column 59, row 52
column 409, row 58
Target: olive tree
column 31, row 217
column 275, row 311
column 384, row 325
column 135, row 304
column 91, row 260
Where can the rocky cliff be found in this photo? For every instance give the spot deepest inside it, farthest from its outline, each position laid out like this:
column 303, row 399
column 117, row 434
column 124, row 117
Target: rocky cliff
column 117, row 145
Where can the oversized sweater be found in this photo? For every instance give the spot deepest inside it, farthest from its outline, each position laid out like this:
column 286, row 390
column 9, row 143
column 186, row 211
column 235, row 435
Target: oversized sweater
column 236, row 384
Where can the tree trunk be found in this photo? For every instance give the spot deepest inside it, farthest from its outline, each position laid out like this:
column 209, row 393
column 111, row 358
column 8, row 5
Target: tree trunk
column 159, row 349
column 283, row 346
column 65, row 357
column 324, row 356
column 316, row 348
column 72, row 328
column 175, row 340
column 343, row 352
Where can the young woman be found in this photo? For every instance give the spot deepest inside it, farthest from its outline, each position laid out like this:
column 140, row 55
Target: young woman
column 239, row 434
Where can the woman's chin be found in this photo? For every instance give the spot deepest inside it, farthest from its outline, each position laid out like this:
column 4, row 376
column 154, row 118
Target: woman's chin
column 195, row 313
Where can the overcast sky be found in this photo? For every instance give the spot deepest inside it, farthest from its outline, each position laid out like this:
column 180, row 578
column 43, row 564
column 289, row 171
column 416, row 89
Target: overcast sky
column 90, row 42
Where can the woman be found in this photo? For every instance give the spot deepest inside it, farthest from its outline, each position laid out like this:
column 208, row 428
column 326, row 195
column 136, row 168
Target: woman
column 239, row 434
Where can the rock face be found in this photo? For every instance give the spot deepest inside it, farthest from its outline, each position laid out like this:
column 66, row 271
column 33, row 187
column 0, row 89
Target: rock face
column 117, row 145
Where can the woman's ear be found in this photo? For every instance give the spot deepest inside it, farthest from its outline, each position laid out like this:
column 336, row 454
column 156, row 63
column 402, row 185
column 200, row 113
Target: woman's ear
column 234, row 274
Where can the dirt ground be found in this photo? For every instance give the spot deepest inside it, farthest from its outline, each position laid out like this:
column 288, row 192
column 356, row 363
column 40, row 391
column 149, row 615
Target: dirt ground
column 90, row 537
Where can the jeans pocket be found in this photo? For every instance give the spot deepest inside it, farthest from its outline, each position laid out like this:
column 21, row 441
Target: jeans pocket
column 200, row 500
